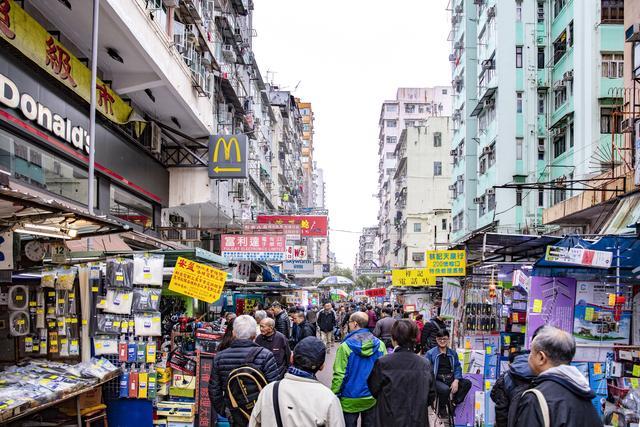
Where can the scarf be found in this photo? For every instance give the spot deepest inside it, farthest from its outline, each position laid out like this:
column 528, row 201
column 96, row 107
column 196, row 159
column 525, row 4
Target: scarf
column 301, row 373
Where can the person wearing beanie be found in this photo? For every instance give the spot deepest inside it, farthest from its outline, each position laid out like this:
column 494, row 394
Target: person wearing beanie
column 297, row 391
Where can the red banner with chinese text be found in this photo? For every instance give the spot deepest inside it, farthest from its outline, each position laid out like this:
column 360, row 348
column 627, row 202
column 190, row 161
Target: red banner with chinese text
column 310, row 225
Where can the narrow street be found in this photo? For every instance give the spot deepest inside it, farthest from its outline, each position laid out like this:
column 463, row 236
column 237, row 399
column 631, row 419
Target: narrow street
column 327, row 372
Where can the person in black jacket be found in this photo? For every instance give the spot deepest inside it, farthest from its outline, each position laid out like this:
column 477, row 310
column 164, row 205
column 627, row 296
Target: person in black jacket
column 565, row 390
column 241, row 349
column 508, row 389
column 302, row 329
column 430, row 331
column 282, row 320
column 402, row 382
column 326, row 323
column 275, row 342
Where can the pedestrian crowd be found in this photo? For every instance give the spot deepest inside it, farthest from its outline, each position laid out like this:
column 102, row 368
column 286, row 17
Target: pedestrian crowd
column 390, row 367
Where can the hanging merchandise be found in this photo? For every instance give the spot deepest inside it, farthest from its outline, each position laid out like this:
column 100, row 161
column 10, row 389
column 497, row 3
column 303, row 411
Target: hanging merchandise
column 118, row 301
column 108, row 324
column 65, row 278
column 119, row 273
column 48, row 279
column 148, row 269
column 18, row 297
column 19, row 323
column 147, row 324
column 105, row 346
column 146, row 300
column 40, row 309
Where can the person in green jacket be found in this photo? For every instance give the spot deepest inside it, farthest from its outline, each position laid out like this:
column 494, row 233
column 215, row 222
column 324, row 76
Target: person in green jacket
column 354, row 362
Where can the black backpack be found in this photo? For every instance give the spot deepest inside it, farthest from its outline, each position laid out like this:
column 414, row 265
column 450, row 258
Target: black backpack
column 244, row 385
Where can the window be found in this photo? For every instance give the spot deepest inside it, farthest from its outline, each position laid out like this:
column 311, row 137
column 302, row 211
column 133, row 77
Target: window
column 409, row 123
column 559, row 145
column 540, row 102
column 570, row 34
column 540, row 58
column 437, row 168
column 571, row 135
column 410, row 108
column 558, row 5
column 559, row 47
column 541, row 145
column 612, row 65
column 391, row 155
column 417, row 256
column 559, row 195
column 482, row 168
column 437, row 139
column 389, row 171
column 392, row 123
column 492, row 155
column 482, row 207
column 540, row 12
column 518, row 102
column 540, row 197
column 560, row 96
column 391, row 139
column 128, row 207
column 491, row 201
column 607, row 122
column 444, row 224
column 518, row 11
column 518, row 148
column 518, row 197
column 391, row 108
column 417, row 227
column 421, row 109
column 444, row 91
column 612, row 11
column 518, row 56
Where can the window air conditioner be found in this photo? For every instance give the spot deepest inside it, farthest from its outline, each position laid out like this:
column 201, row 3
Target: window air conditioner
column 452, row 57
column 478, row 200
column 459, row 8
column 490, row 191
column 489, row 102
column 491, row 12
column 452, row 187
column 541, row 146
column 458, row 45
column 487, row 150
column 453, row 153
column 632, row 34
column 625, row 125
column 155, row 144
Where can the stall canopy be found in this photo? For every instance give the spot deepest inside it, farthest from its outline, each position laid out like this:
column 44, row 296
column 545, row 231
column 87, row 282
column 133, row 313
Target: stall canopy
column 629, row 250
column 487, row 247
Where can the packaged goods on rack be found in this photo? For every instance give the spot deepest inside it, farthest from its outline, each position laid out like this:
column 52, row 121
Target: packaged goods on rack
column 119, row 273
column 148, row 269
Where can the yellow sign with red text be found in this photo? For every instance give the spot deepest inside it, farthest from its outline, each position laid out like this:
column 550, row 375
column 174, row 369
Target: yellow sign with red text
column 23, row 32
column 197, row 280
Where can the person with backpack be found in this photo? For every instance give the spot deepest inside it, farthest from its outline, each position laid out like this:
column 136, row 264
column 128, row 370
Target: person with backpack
column 430, row 332
column 509, row 387
column 240, row 372
column 561, row 395
column 286, row 403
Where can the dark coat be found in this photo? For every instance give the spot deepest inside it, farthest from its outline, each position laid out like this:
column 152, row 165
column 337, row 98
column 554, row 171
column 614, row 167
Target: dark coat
column 429, row 332
column 403, row 385
column 508, row 389
column 326, row 321
column 282, row 324
column 301, row 331
column 568, row 397
column 279, row 346
column 232, row 358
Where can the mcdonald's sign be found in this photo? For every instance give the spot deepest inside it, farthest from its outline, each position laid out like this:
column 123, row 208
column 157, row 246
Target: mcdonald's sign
column 228, row 156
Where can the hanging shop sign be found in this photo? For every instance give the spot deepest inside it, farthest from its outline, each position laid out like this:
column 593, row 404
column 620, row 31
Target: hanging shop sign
column 310, row 225
column 446, row 263
column 370, row 271
column 228, row 156
column 579, row 256
column 298, row 267
column 412, row 277
column 25, row 34
column 376, row 292
column 291, row 231
column 253, row 247
column 451, row 307
column 295, row 252
column 197, row 280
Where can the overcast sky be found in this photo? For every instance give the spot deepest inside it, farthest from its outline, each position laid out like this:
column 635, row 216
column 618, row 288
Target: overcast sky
column 349, row 56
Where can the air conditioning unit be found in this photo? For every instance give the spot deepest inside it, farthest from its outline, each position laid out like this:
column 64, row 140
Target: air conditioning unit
column 568, row 75
column 489, row 102
column 155, row 144
column 458, row 8
column 541, row 146
column 478, row 2
column 491, row 12
column 540, row 40
column 453, row 153
column 237, row 34
column 452, row 57
column 452, row 187
column 454, row 19
column 228, row 53
column 478, row 200
column 488, row 64
column 632, row 34
column 487, row 150
column 626, row 125
column 458, row 45
column 490, row 191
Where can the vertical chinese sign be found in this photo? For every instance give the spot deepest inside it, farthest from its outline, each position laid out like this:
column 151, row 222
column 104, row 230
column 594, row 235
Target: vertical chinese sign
column 197, row 280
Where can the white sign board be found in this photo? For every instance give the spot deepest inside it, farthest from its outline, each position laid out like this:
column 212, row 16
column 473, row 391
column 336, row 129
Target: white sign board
column 579, row 256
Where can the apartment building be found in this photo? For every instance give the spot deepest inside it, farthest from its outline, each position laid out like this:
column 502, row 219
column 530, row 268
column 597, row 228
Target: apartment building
column 422, row 199
column 547, row 73
column 411, row 107
column 308, row 165
column 367, row 257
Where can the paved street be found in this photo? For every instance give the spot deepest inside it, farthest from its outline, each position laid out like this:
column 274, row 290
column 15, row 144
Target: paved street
column 325, row 375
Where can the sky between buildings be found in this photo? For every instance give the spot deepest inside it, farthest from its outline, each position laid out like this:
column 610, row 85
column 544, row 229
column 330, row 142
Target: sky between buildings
column 347, row 57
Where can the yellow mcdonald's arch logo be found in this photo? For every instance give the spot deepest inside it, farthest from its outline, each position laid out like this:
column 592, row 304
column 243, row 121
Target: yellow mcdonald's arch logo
column 227, row 145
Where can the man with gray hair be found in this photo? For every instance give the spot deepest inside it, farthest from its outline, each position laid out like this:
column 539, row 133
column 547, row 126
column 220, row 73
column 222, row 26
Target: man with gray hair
column 242, row 351
column 561, row 396
column 275, row 342
column 259, row 315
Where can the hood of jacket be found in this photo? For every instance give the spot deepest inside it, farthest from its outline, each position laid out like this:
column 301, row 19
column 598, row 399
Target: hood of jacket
column 362, row 342
column 570, row 378
column 520, row 367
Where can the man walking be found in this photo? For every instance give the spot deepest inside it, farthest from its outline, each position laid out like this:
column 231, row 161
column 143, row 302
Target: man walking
column 384, row 326
column 355, row 358
column 302, row 329
column 275, row 342
column 297, row 390
column 241, row 352
column 371, row 324
column 282, row 320
column 561, row 396
column 326, row 323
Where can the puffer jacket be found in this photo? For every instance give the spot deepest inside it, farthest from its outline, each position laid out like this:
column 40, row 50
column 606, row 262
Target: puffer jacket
column 508, row 389
column 234, row 357
column 326, row 320
column 282, row 324
column 568, row 397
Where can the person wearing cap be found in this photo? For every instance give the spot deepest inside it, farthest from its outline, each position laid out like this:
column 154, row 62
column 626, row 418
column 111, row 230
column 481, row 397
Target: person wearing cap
column 302, row 399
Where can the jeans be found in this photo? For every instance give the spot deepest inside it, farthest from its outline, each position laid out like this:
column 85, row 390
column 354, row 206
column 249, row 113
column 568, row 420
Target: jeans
column 351, row 419
column 327, row 338
column 443, row 391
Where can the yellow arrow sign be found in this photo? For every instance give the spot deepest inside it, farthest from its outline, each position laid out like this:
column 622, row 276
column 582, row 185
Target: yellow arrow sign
column 219, row 169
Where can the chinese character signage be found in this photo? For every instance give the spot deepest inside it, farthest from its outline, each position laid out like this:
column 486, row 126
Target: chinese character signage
column 25, row 34
column 310, row 225
column 197, row 280
column 228, row 156
column 291, row 231
column 298, row 267
column 253, row 247
column 295, row 252
column 579, row 256
column 375, row 292
column 409, row 277
column 446, row 263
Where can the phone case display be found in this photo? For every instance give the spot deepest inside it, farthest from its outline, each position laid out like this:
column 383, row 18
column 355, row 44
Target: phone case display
column 481, row 310
column 148, row 269
column 119, row 273
column 118, row 301
column 146, row 300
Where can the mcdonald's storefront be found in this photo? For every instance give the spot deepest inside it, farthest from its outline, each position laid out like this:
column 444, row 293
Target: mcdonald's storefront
column 44, row 145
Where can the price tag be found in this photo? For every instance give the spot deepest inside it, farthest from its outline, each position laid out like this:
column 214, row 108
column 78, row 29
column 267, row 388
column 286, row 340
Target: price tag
column 636, row 371
column 155, row 320
column 73, row 320
column 515, row 317
column 94, row 289
column 33, row 304
column 154, row 297
column 487, row 385
column 64, row 341
column 28, row 340
column 119, row 277
column 40, row 311
column 36, row 348
column 116, row 323
column 74, row 343
column 51, row 293
column 147, row 276
column 612, row 299
column 125, row 324
column 634, row 382
column 523, row 329
column 60, row 323
column 44, row 381
column 98, row 345
column 597, row 368
column 477, row 406
column 125, row 297
column 60, row 300
column 19, row 297
column 52, row 324
column 20, row 321
column 588, row 314
column 84, row 321
column 489, row 350
column 537, row 306
column 507, row 340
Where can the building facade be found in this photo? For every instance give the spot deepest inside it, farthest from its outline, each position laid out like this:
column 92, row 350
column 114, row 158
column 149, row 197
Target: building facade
column 411, row 108
column 543, row 103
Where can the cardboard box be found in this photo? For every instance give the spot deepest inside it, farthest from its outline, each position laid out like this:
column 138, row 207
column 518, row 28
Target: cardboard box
column 182, row 392
column 170, row 408
column 181, row 421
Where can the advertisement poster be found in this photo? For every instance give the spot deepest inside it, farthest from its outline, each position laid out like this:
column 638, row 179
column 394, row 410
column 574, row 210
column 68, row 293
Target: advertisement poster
column 594, row 322
column 253, row 247
column 551, row 302
column 196, row 280
column 451, row 307
column 446, row 263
